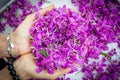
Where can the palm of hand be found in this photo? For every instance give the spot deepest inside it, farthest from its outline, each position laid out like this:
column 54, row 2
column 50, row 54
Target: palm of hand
column 25, row 66
column 22, row 36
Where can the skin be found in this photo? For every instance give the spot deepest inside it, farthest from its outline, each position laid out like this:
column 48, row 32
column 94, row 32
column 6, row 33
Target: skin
column 21, row 34
column 23, row 68
column 25, row 64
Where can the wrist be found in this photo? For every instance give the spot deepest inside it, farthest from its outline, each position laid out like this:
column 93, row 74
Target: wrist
column 12, row 69
column 20, row 68
column 15, row 51
column 3, row 46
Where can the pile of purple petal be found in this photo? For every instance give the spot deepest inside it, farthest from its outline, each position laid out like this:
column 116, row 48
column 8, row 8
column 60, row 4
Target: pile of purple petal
column 102, row 20
column 57, row 40
column 17, row 12
column 63, row 38
column 103, row 27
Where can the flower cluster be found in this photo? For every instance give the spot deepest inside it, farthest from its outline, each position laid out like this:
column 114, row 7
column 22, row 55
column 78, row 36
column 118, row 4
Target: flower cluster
column 102, row 18
column 103, row 69
column 17, row 12
column 64, row 38
column 112, row 72
column 57, row 41
column 103, row 22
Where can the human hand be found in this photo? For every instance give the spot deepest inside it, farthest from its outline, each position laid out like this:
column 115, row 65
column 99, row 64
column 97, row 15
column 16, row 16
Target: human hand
column 20, row 36
column 26, row 69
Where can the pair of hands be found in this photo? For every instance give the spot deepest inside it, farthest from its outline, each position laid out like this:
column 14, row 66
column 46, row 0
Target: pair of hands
column 25, row 65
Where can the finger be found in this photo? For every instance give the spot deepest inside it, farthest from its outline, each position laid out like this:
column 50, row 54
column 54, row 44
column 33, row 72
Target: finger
column 29, row 20
column 61, row 72
column 44, row 74
column 42, row 12
column 45, row 10
column 56, row 74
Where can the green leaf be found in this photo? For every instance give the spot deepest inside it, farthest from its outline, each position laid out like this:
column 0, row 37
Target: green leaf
column 104, row 54
column 51, row 45
column 44, row 53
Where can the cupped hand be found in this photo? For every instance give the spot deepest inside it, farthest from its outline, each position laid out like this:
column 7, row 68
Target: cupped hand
column 21, row 36
column 26, row 69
